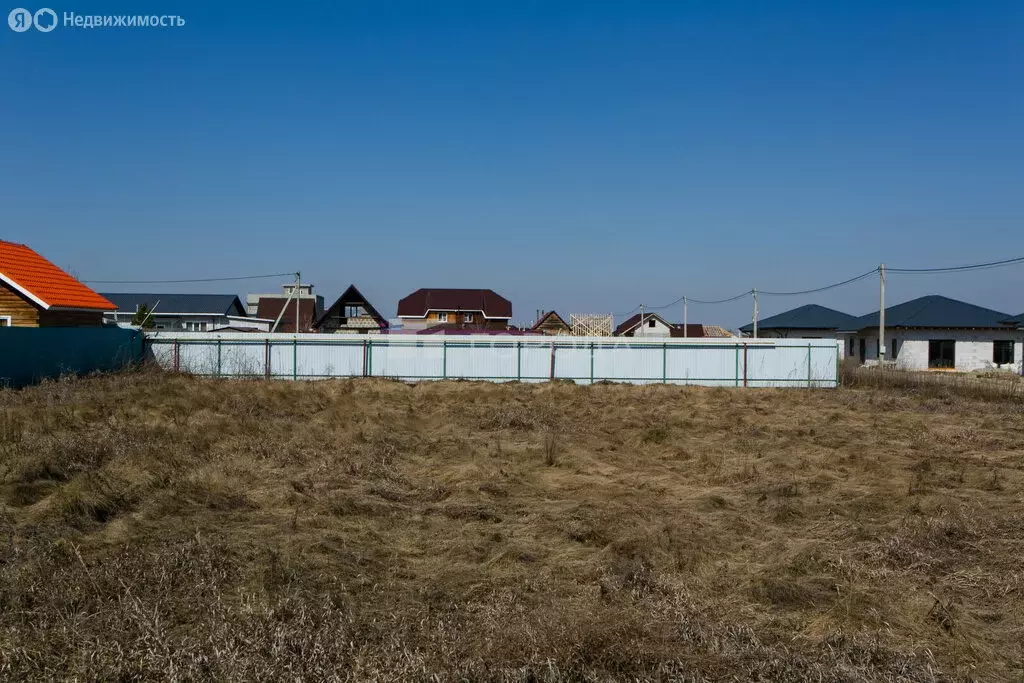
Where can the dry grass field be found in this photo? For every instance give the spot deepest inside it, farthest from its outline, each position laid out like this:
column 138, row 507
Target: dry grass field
column 166, row 527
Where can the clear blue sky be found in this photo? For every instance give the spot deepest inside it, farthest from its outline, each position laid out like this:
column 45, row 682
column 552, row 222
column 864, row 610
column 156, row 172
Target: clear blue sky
column 580, row 156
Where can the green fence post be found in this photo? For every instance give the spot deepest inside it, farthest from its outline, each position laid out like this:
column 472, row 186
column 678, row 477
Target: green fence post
column 519, row 360
column 295, row 358
column 737, row 364
column 664, row 362
column 444, row 359
column 808, row 366
column 369, row 358
column 218, row 357
column 591, row 362
column 838, row 364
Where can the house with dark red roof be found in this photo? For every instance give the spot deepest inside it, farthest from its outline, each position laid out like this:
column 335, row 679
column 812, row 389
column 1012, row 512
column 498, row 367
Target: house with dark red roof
column 466, row 309
column 36, row 293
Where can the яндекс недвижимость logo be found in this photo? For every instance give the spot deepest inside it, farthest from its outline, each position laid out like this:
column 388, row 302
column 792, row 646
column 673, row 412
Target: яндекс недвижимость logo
column 21, row 20
column 45, row 20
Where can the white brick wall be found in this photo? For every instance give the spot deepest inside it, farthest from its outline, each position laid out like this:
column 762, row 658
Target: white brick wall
column 973, row 349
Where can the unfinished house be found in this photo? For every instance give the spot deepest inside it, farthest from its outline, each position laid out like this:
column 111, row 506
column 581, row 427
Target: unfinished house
column 551, row 324
column 351, row 314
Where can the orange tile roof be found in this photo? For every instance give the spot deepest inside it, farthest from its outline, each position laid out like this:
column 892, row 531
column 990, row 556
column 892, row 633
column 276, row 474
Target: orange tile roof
column 44, row 283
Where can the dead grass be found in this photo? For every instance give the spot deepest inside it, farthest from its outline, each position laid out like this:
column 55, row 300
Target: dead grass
column 166, row 527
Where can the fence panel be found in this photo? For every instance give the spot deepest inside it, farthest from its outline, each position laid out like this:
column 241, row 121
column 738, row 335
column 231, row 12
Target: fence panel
column 709, row 362
column 30, row 354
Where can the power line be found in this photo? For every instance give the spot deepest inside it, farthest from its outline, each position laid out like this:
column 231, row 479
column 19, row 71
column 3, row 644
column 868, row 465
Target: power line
column 955, row 269
column 170, row 282
column 822, row 289
column 834, row 285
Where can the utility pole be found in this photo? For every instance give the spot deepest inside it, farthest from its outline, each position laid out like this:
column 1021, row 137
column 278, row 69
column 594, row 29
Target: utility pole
column 298, row 281
column 684, row 317
column 755, row 312
column 640, row 326
column 881, row 315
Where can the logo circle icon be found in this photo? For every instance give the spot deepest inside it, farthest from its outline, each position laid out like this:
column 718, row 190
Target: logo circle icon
column 45, row 25
column 20, row 19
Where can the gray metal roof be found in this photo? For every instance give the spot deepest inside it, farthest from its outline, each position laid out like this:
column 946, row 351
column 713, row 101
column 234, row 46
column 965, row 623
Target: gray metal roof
column 1017, row 320
column 936, row 311
column 809, row 317
column 198, row 304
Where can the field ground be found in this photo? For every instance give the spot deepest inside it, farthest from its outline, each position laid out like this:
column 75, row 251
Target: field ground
column 165, row 527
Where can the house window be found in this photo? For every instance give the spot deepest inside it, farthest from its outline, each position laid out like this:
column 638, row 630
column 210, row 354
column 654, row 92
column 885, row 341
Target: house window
column 650, row 323
column 442, row 317
column 5, row 321
column 467, row 317
column 193, row 326
column 941, row 353
column 852, row 349
column 353, row 311
column 1002, row 351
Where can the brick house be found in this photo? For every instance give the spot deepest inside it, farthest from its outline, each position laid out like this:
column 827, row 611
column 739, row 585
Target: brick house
column 481, row 309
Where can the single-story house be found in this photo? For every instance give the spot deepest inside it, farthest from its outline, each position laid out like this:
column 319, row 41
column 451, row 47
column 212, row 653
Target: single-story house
column 474, row 309
column 36, row 293
column 653, row 325
column 351, row 314
column 809, row 322
column 931, row 332
column 644, row 325
column 187, row 312
column 551, row 324
column 936, row 332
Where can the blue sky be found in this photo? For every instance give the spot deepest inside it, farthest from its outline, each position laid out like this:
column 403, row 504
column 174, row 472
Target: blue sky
column 577, row 156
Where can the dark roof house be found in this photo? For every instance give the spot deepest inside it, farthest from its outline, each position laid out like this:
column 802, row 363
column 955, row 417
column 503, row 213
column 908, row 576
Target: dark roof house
column 934, row 311
column 270, row 309
column 179, row 304
column 809, row 317
column 692, row 330
column 351, row 313
column 484, row 301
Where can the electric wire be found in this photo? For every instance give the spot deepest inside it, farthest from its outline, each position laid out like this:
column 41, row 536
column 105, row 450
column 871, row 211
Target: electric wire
column 170, row 282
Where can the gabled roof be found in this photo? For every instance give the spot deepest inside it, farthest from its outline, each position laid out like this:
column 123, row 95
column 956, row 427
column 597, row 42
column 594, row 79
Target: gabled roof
column 936, row 311
column 551, row 318
column 351, row 297
column 486, row 301
column 194, row 304
column 809, row 317
column 43, row 283
column 634, row 320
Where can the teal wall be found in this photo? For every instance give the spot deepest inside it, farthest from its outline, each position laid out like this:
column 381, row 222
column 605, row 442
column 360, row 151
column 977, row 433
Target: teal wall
column 28, row 354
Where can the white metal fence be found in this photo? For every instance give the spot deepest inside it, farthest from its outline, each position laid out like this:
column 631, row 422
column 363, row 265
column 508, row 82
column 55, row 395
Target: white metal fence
column 710, row 362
